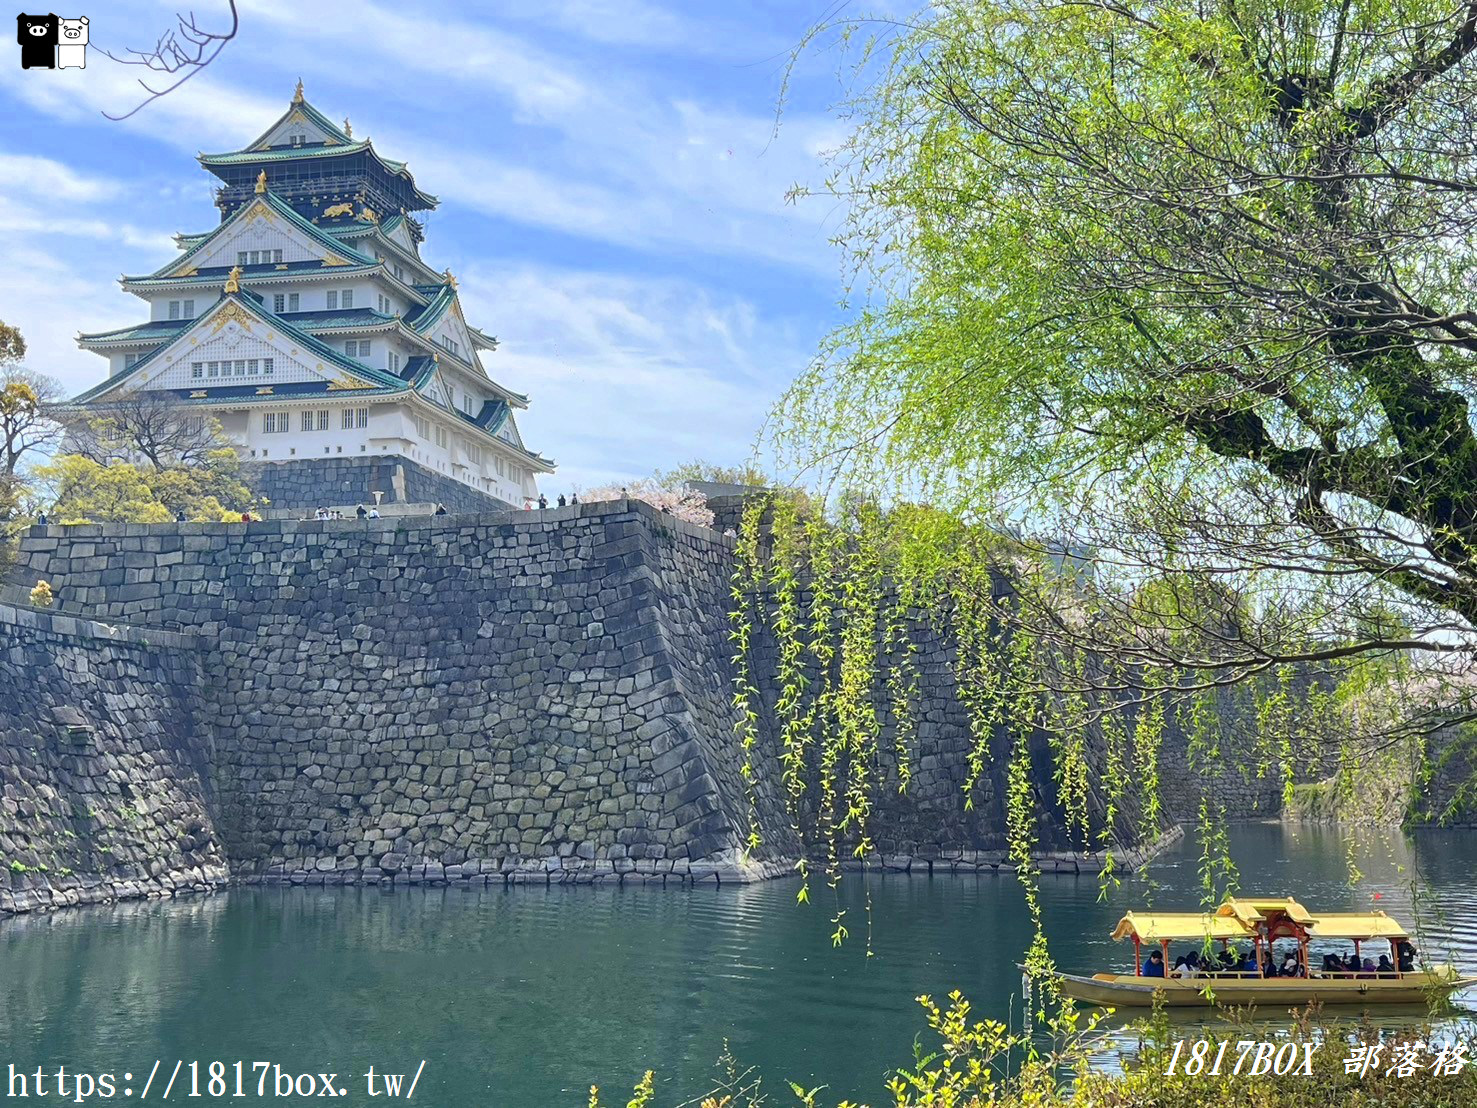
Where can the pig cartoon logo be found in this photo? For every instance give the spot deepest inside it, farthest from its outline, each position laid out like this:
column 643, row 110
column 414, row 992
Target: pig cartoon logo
column 71, row 49
column 37, row 35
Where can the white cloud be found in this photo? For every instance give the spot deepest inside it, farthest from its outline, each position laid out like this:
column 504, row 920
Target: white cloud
column 43, row 177
column 629, row 375
column 205, row 114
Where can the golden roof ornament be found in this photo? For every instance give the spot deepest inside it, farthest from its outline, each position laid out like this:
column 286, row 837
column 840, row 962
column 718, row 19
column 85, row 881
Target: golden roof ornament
column 233, row 280
column 450, row 280
column 297, row 96
column 348, row 127
column 261, row 182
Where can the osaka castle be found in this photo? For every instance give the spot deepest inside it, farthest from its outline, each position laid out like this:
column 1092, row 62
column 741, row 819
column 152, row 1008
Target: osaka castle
column 309, row 325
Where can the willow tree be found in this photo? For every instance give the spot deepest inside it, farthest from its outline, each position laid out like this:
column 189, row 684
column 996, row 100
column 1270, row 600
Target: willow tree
column 1187, row 289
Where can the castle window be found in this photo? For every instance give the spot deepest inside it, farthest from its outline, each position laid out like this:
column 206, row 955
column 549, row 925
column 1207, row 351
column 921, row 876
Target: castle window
column 277, row 256
column 399, row 273
column 274, row 423
column 297, row 140
column 394, row 362
column 358, row 349
column 267, row 367
column 292, row 302
column 197, row 369
column 323, row 419
column 189, row 309
column 441, row 437
column 241, row 257
column 332, row 299
column 212, row 369
column 307, row 421
column 129, row 359
column 279, row 302
column 253, row 367
column 174, row 309
column 348, row 298
column 361, row 417
column 347, row 419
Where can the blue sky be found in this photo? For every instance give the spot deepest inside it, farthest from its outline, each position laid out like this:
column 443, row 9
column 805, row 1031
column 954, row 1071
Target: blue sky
column 611, row 178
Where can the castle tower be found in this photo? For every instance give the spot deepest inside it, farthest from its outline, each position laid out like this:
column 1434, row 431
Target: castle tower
column 334, row 356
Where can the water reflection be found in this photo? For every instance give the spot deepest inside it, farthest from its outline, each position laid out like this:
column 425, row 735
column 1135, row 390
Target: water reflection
column 527, row 995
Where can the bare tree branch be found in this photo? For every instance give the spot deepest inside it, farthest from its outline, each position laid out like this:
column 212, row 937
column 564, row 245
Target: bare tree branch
column 181, row 53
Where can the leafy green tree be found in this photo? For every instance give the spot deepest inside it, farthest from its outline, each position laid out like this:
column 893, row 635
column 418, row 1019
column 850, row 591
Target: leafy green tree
column 27, row 429
column 84, row 490
column 1190, row 287
column 746, row 473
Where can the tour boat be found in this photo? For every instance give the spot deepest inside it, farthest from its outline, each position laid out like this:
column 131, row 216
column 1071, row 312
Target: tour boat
column 1258, row 922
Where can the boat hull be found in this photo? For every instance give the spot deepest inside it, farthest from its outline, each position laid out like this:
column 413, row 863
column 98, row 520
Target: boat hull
column 1127, row 991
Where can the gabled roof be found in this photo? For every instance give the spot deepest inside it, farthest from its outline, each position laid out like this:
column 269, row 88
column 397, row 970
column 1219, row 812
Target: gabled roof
column 278, row 207
column 355, row 230
column 312, row 114
column 1254, row 909
column 156, row 330
column 378, row 377
column 442, row 299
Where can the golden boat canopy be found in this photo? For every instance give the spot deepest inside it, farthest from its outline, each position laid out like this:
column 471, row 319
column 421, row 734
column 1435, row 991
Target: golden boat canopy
column 1156, row 927
column 1356, row 925
column 1254, row 909
column 1240, row 917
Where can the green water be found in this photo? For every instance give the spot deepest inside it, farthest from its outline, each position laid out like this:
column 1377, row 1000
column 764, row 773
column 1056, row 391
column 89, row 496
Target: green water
column 526, row 996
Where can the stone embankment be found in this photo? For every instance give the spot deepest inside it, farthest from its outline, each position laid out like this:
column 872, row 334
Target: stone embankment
column 528, row 697
column 104, row 767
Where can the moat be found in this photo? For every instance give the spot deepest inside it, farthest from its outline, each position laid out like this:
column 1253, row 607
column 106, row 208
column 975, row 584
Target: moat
column 526, row 995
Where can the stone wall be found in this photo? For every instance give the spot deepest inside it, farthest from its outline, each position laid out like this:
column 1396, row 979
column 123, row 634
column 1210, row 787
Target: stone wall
column 307, row 483
column 103, row 764
column 527, row 697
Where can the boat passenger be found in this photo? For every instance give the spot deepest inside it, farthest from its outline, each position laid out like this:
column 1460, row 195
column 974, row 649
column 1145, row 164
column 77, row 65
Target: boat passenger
column 1405, row 956
column 1292, row 967
column 1331, row 964
column 1154, row 967
column 1385, row 968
